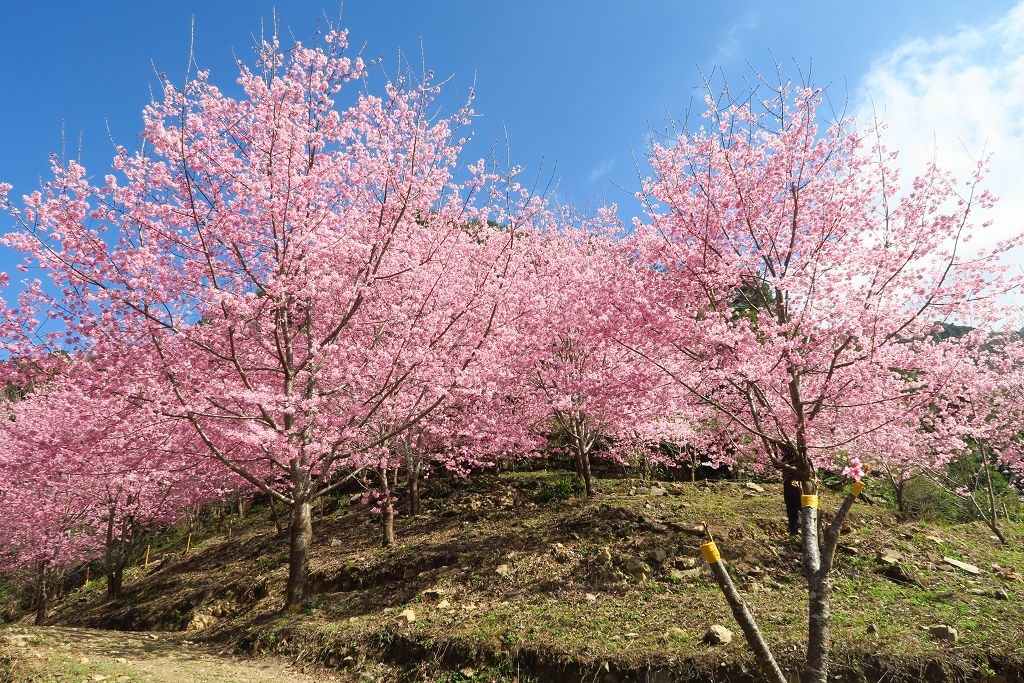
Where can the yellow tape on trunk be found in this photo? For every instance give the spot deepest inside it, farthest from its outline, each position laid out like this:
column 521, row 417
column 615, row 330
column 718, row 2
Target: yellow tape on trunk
column 808, row 501
column 857, row 487
column 710, row 552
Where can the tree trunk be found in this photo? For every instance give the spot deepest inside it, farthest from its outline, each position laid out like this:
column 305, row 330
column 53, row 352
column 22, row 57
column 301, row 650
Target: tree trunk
column 42, row 599
column 300, row 536
column 819, row 594
column 583, row 469
column 115, row 573
column 413, row 489
column 901, row 499
column 769, row 668
column 387, row 525
column 993, row 519
column 275, row 516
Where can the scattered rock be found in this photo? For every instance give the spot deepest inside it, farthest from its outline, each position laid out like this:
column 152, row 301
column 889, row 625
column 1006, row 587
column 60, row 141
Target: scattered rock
column 969, row 568
column 443, row 603
column 658, row 491
column 718, row 635
column 889, row 556
column 98, row 677
column 943, row 632
column 636, row 568
column 756, row 488
column 934, row 539
column 120, row 660
column 605, row 556
column 686, row 562
column 902, row 574
column 659, row 555
column 1000, row 594
column 407, row 616
column 433, row 594
column 201, row 622
column 337, row 543
column 503, row 570
column 872, row 628
column 590, row 597
column 410, row 572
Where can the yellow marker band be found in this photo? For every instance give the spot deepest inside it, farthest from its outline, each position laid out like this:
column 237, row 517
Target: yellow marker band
column 808, row 501
column 710, row 551
column 857, row 487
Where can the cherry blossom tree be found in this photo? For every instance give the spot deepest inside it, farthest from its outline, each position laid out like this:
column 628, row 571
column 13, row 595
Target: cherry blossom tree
column 575, row 344
column 986, row 409
column 290, row 278
column 800, row 284
column 109, row 470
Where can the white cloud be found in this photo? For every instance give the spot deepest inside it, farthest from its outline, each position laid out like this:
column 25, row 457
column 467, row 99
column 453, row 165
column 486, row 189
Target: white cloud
column 729, row 47
column 957, row 97
column 600, row 171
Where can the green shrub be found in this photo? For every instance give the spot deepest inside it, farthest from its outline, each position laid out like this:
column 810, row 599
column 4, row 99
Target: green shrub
column 924, row 500
column 561, row 487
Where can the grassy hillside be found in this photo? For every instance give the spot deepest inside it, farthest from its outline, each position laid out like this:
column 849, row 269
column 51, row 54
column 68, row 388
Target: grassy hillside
column 501, row 580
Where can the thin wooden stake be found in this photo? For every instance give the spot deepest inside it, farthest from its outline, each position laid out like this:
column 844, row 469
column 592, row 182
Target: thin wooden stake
column 146, row 566
column 188, row 543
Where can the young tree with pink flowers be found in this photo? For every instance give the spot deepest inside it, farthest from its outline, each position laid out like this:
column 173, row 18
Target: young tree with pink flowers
column 292, row 280
column 800, row 284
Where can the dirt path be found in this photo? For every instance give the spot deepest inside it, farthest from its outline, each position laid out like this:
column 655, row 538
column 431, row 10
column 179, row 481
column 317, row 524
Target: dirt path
column 52, row 654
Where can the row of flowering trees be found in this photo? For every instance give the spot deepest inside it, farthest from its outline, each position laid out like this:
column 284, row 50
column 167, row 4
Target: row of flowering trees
column 292, row 294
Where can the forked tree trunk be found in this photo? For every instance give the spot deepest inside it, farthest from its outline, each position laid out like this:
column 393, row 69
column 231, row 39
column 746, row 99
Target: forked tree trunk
column 992, row 517
column 115, row 559
column 818, row 558
column 583, row 469
column 300, row 535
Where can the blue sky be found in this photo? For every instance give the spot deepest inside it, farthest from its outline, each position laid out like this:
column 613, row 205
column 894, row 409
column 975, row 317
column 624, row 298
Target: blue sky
column 578, row 84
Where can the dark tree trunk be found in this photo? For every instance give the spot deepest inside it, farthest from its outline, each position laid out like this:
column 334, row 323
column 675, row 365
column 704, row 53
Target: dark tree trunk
column 115, row 558
column 42, row 599
column 901, row 501
column 791, row 495
column 115, row 573
column 299, row 539
column 583, row 469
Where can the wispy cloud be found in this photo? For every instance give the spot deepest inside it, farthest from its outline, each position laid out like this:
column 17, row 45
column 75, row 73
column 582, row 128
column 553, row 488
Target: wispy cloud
column 600, row 171
column 956, row 98
column 730, row 47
